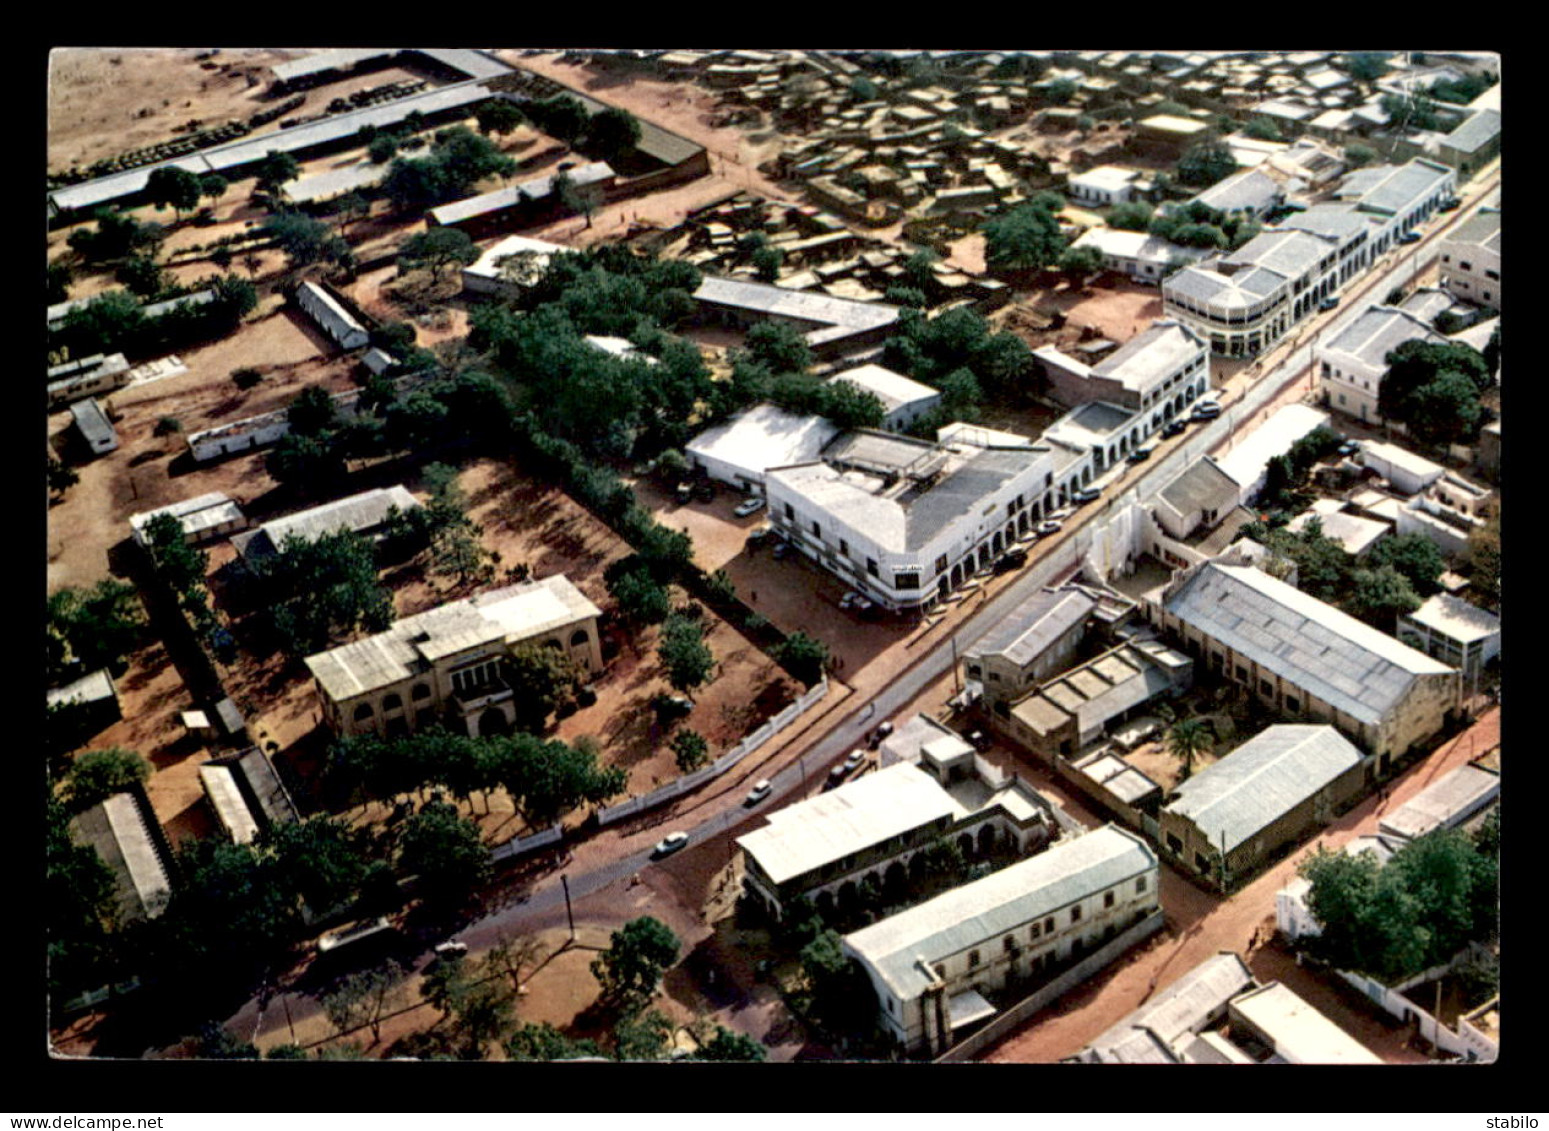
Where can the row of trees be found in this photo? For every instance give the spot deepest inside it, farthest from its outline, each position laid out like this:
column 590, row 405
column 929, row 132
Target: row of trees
column 1435, row 389
column 545, row 779
column 606, row 135
column 91, row 628
column 115, row 321
column 457, row 160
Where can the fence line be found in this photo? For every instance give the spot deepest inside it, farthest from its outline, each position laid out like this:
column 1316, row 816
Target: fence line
column 607, row 815
column 518, row 845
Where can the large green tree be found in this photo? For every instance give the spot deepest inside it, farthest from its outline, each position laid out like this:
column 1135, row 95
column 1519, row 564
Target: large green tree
column 685, row 657
column 437, row 248
column 803, row 656
column 1205, row 162
column 169, row 184
column 1027, row 238
column 631, row 968
column 444, row 850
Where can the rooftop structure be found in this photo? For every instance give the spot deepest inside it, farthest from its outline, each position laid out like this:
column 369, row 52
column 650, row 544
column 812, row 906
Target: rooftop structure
column 1161, row 1030
column 1295, row 1031
column 204, row 517
column 1250, row 192
column 359, row 513
column 828, row 323
column 1199, row 495
column 414, row 644
column 1266, row 777
column 532, row 192
column 1407, row 472
column 1248, row 459
column 94, row 426
column 900, row 949
column 1359, row 672
column 1444, row 804
column 118, row 830
column 740, row 450
column 903, row 400
column 1137, row 254
column 1070, row 711
column 1354, row 534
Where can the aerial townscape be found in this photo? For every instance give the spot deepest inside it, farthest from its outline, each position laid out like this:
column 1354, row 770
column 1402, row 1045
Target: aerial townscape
column 753, row 555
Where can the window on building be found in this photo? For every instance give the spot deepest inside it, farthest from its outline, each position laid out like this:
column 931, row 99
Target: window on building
column 817, row 529
column 1174, row 845
column 1242, row 674
column 941, row 970
column 1048, row 925
column 1033, row 934
column 941, row 564
column 1293, row 704
column 906, row 581
column 871, row 567
column 844, row 547
column 973, row 959
column 1201, row 862
column 790, row 511
column 1108, row 899
column 1465, row 265
column 1011, row 944
column 419, row 691
column 1266, row 688
column 1075, row 914
column 1140, row 884
column 363, row 712
column 392, row 702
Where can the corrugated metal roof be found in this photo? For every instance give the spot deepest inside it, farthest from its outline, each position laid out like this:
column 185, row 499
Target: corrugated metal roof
column 1444, row 804
column 1262, row 780
column 1156, row 353
column 1201, row 486
column 1350, row 665
column 364, row 511
column 1377, row 332
column 988, row 908
column 1183, row 1008
column 117, row 830
column 1035, row 624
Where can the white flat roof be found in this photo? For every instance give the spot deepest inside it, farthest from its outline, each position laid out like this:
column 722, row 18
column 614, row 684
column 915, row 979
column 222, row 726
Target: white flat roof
column 1300, row 1033
column 1456, row 618
column 764, row 436
column 869, row 810
column 1251, row 455
column 894, row 390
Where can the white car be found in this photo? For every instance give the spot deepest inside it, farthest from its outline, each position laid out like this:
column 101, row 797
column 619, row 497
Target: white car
column 1049, row 526
column 748, row 506
column 759, row 791
column 670, row 843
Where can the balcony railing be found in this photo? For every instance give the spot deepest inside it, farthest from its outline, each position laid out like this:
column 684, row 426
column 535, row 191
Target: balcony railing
column 472, row 699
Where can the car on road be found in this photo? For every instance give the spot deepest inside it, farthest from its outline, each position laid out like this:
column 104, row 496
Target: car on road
column 452, row 948
column 758, row 792
column 781, row 548
column 1409, row 237
column 1206, row 410
column 882, row 731
column 842, row 770
column 1173, row 427
column 748, row 506
column 1139, row 455
column 1349, row 448
column 1451, row 205
column 670, row 844
column 1010, row 560
column 1049, row 526
column 355, row 933
column 1329, row 303
column 1086, row 495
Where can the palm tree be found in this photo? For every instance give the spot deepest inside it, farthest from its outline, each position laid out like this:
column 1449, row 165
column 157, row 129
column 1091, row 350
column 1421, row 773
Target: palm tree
column 1186, row 739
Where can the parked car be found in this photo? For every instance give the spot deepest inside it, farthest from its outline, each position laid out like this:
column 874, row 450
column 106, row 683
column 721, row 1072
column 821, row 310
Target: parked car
column 1049, row 526
column 1329, row 303
column 354, row 933
column 1206, row 410
column 1451, row 205
column 671, row 706
column 452, row 948
column 842, row 770
column 1139, row 455
column 759, row 534
column 878, row 735
column 1086, row 495
column 1010, row 560
column 1173, row 427
column 1349, row 448
column 684, row 492
column 670, row 844
column 759, row 791
column 1409, row 237
column 748, row 506
column 781, row 548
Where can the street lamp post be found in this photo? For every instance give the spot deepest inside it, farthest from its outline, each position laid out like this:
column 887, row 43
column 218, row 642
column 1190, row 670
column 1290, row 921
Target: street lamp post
column 564, row 879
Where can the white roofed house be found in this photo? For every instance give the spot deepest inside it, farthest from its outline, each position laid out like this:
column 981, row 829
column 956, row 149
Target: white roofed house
column 829, row 324
column 447, row 663
column 1282, row 1028
column 1155, row 374
column 1249, row 193
column 903, row 400
column 204, row 518
column 131, row 844
column 1140, row 255
column 1232, row 817
column 740, row 450
column 509, row 266
column 1200, row 495
column 869, row 834
column 1106, row 185
column 1455, row 632
column 1247, row 461
column 1169, row 1027
column 933, row 965
column 1307, row 658
column 330, row 314
column 1353, row 364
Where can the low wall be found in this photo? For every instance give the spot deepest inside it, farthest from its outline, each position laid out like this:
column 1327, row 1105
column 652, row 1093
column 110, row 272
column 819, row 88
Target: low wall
column 1080, row 972
column 522, row 844
column 608, row 815
column 1464, row 1041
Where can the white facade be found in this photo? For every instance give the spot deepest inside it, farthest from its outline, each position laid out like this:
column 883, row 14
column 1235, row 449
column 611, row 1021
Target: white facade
column 1352, row 366
column 903, row 401
column 1471, row 260
column 1104, row 185
column 741, row 450
column 907, row 535
column 1140, row 255
column 1248, row 459
column 329, row 313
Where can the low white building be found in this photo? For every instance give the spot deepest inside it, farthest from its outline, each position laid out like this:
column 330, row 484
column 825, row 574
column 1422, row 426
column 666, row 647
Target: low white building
column 1140, row 255
column 903, row 400
column 364, row 513
column 204, row 518
column 1293, row 917
column 1292, row 1031
column 509, row 266
column 92, row 422
column 931, row 965
column 1447, row 512
column 1447, row 803
column 330, row 314
column 1106, row 185
column 1406, row 473
column 741, row 450
column 1454, row 632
